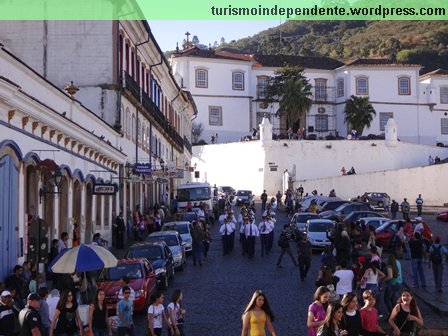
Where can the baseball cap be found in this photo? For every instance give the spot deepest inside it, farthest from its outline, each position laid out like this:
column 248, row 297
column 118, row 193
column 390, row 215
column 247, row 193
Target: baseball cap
column 33, row 297
column 6, row 293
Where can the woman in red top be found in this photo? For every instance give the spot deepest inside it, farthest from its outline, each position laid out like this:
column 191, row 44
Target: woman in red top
column 369, row 316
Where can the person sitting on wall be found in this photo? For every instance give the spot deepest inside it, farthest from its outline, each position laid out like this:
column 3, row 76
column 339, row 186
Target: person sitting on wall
column 351, row 171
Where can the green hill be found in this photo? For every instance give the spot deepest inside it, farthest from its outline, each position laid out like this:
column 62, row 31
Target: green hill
column 416, row 42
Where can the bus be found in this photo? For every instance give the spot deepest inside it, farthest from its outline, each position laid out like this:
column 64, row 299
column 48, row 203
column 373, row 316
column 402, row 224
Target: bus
column 195, row 193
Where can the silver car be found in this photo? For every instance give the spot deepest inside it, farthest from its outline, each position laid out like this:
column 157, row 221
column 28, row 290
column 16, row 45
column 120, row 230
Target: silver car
column 184, row 229
column 316, row 230
column 174, row 242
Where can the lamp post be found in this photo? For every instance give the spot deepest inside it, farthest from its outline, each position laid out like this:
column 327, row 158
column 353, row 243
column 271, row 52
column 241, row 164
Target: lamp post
column 56, row 180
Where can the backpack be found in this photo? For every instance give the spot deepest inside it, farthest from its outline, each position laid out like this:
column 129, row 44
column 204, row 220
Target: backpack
column 436, row 255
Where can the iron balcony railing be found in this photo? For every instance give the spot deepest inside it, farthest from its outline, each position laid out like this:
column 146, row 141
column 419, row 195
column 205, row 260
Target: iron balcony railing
column 187, row 145
column 132, row 86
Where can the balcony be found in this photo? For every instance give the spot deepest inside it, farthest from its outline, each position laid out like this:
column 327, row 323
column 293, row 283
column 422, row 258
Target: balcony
column 323, row 94
column 187, row 145
column 132, row 86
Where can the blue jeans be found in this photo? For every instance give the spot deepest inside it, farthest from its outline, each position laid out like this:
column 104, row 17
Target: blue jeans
column 122, row 331
column 417, row 272
column 437, row 270
column 197, row 252
column 390, row 296
column 100, row 332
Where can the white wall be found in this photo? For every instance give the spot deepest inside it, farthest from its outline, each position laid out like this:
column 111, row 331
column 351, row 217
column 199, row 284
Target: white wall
column 248, row 164
column 430, row 181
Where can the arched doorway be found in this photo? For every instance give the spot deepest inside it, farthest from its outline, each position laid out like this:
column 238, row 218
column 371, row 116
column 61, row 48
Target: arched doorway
column 9, row 209
column 88, row 231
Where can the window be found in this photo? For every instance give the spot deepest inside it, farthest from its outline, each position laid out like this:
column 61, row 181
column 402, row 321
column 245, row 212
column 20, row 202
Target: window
column 362, row 86
column 320, row 89
column 215, row 115
column 444, row 95
column 340, row 87
column 404, row 86
column 321, row 123
column 444, row 125
column 384, row 117
column 262, row 84
column 201, row 78
column 237, row 81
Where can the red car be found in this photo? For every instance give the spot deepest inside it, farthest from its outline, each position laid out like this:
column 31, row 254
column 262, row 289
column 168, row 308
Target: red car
column 443, row 216
column 142, row 280
column 386, row 232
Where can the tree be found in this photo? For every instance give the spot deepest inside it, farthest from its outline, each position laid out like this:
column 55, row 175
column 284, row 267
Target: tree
column 196, row 131
column 359, row 113
column 195, row 40
column 292, row 90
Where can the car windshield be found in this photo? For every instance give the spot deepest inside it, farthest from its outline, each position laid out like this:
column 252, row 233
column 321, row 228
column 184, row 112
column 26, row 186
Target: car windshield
column 227, row 189
column 385, row 226
column 318, row 227
column 132, row 271
column 181, row 228
column 304, row 218
column 170, row 240
column 193, row 194
column 189, row 217
column 150, row 252
column 341, row 207
column 243, row 193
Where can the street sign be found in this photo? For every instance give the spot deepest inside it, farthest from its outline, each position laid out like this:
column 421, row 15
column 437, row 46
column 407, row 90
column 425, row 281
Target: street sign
column 176, row 173
column 142, row 168
column 104, row 189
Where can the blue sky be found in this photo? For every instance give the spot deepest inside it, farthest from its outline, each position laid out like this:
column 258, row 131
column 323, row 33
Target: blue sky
column 167, row 33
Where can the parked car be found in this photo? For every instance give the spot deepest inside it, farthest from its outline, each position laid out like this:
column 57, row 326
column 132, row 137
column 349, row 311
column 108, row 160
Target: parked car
column 160, row 256
column 184, row 229
column 443, row 216
column 142, row 280
column 226, row 191
column 320, row 201
column 332, row 205
column 376, row 222
column 375, row 199
column 174, row 242
column 299, row 220
column 386, row 232
column 316, row 230
column 243, row 197
column 187, row 216
column 355, row 215
column 343, row 210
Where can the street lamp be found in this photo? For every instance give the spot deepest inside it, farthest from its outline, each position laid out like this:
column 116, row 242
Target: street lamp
column 129, row 169
column 55, row 179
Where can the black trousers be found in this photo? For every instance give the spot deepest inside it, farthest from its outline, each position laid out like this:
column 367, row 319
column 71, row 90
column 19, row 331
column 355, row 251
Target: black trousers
column 264, row 238
column 288, row 251
column 304, row 266
column 250, row 241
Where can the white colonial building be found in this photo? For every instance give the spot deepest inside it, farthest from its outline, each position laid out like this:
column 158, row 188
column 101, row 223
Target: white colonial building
column 121, row 110
column 229, row 89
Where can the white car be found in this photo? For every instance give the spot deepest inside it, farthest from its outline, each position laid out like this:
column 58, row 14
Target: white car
column 184, row 229
column 299, row 220
column 316, row 230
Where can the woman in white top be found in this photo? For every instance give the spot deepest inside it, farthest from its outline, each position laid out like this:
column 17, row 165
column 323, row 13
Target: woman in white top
column 372, row 276
column 156, row 315
column 176, row 314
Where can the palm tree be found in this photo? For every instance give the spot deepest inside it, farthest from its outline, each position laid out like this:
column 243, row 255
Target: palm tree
column 359, row 113
column 292, row 91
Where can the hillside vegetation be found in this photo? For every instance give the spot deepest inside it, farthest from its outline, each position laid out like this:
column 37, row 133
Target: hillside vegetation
column 416, row 42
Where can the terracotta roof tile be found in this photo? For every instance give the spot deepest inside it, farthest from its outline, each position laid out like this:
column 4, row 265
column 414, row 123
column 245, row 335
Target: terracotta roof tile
column 377, row 62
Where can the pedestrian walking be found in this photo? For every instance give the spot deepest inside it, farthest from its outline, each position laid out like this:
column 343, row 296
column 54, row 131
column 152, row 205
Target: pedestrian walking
column 304, row 256
column 251, row 234
column 419, row 203
column 29, row 318
column 417, row 254
column 351, row 320
column 206, row 240
column 332, row 325
column 264, row 199
column 258, row 316
column 98, row 315
column 436, row 253
column 283, row 243
column 197, row 236
column 394, row 209
column 226, row 230
column 393, row 281
column 176, row 314
column 243, row 239
column 317, row 310
column 263, row 227
column 119, row 228
column 66, row 320
column 44, row 311
column 369, row 316
column 405, row 209
column 406, row 315
column 124, row 313
column 157, row 316
column 7, row 317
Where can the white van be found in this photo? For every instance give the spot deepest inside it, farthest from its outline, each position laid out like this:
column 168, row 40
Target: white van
column 195, row 193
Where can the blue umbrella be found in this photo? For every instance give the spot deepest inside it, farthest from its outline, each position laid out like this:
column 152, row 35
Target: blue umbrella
column 83, row 258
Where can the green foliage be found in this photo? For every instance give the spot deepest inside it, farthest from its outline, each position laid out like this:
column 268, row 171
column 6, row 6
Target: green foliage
column 359, row 113
column 292, row 90
column 346, row 40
